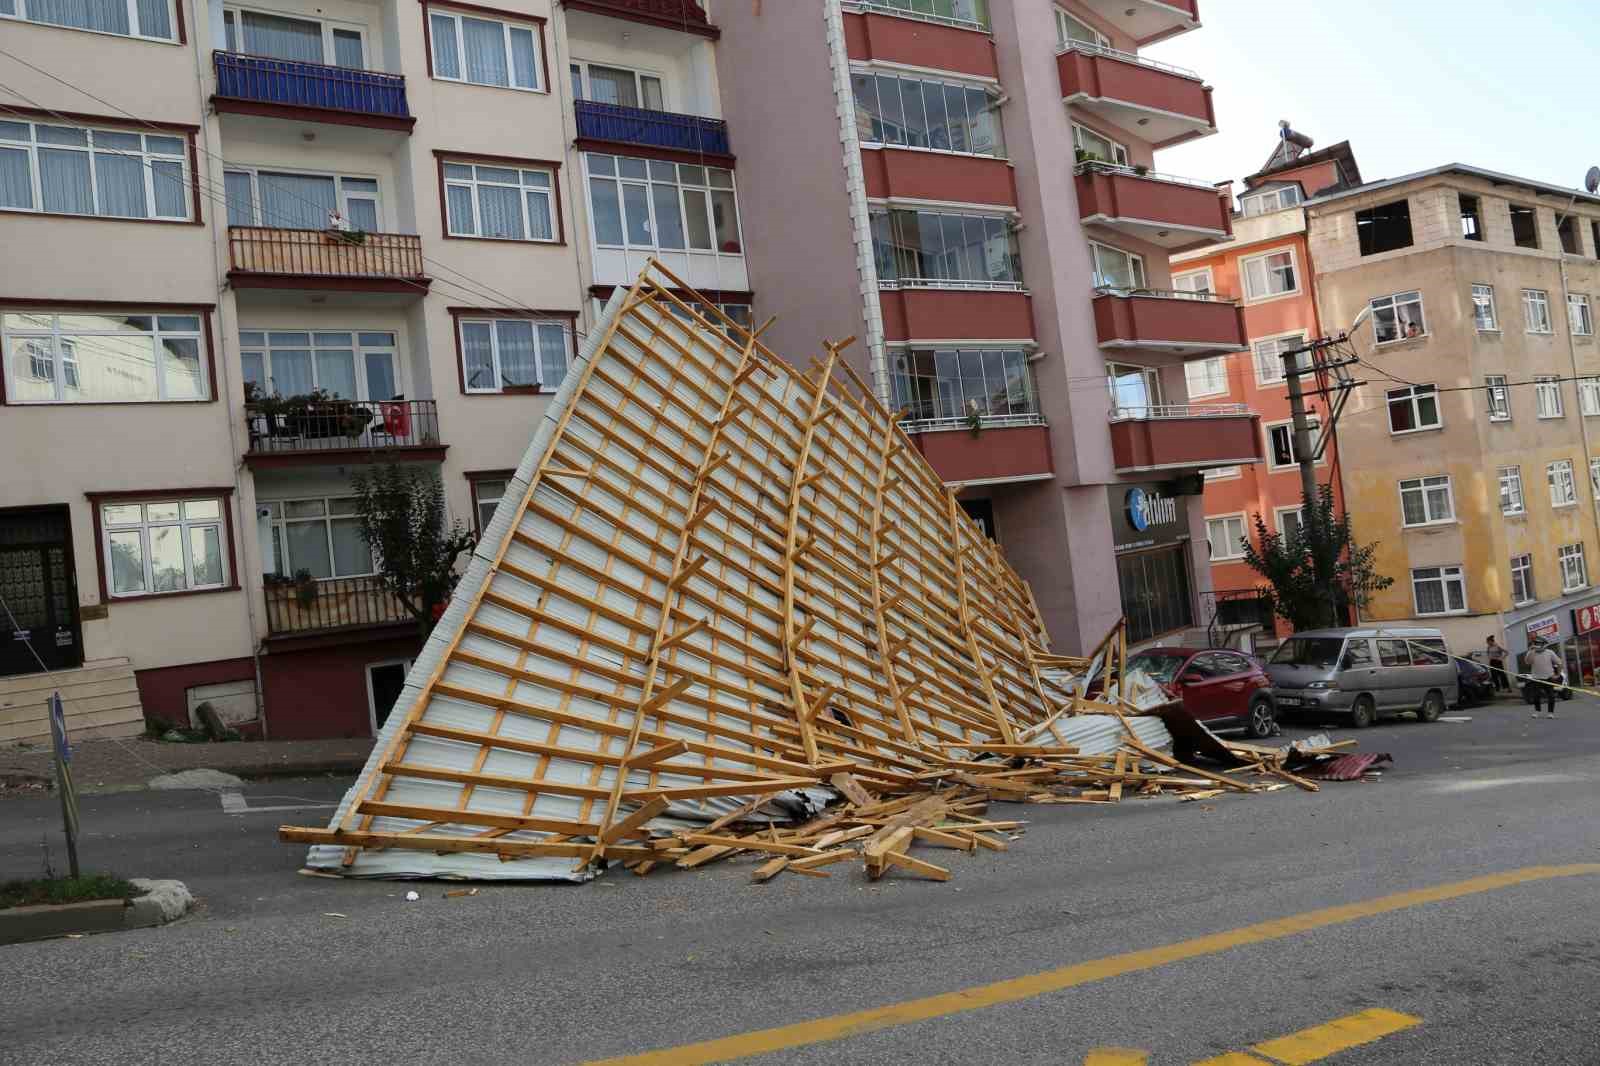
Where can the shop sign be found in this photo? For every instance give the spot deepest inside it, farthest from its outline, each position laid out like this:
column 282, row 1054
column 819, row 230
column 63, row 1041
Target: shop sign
column 1143, row 516
column 1586, row 619
column 1544, row 628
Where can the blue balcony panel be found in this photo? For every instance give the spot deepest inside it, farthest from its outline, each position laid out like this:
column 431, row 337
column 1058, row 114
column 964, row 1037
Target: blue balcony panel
column 614, row 125
column 258, row 85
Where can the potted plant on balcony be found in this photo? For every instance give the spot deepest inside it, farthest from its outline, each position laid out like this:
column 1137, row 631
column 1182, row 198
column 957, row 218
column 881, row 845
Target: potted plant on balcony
column 305, row 588
column 340, row 231
column 318, row 415
column 974, row 418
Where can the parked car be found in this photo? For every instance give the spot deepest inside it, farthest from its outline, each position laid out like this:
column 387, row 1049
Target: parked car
column 1224, row 689
column 1364, row 674
column 1475, row 681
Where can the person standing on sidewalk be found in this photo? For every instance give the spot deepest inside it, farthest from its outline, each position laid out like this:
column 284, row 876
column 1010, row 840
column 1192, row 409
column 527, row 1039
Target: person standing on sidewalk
column 1545, row 669
column 1496, row 654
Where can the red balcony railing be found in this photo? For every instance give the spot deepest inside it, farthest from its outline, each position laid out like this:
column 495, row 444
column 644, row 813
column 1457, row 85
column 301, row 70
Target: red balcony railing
column 272, row 257
column 685, row 15
column 1003, row 447
column 1160, row 209
column 1165, row 104
column 1147, row 21
column 1184, row 436
column 1194, row 324
column 296, row 607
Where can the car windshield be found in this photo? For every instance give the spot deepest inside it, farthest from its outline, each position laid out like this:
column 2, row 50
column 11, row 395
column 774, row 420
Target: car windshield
column 1308, row 651
column 1161, row 667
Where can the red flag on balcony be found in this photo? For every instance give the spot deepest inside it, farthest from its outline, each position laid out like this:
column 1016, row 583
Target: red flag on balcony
column 396, row 419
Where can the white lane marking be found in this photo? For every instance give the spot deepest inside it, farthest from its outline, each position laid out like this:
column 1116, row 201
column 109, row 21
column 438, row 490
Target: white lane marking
column 233, row 802
column 1479, row 784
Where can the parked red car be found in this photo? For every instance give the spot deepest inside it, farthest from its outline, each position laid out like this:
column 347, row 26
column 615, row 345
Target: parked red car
column 1224, row 689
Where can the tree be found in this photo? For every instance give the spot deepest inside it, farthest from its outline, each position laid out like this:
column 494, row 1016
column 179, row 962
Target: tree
column 402, row 516
column 1310, row 569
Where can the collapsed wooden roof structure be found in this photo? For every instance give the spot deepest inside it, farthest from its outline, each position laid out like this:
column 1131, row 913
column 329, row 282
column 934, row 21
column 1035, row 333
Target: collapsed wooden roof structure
column 717, row 583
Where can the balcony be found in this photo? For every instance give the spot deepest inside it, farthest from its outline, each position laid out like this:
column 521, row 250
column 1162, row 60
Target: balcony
column 1147, row 21
column 1195, row 325
column 917, row 309
column 1184, row 437
column 1163, row 104
column 890, row 33
column 686, row 16
column 296, row 609
column 1171, row 212
column 1005, row 448
column 614, row 128
column 267, row 257
column 893, row 173
column 301, row 431
column 310, row 92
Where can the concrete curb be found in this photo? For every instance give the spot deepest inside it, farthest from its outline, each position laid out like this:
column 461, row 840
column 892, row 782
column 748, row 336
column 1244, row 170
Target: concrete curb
column 162, row 902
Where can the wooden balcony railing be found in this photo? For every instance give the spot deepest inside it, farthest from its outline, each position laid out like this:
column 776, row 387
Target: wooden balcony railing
column 326, row 254
column 298, row 607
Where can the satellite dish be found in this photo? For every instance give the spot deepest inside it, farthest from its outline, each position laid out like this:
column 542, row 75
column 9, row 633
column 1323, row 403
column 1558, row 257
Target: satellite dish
column 1591, row 180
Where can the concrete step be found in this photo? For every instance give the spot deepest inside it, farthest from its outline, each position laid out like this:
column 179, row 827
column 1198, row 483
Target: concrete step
column 100, row 699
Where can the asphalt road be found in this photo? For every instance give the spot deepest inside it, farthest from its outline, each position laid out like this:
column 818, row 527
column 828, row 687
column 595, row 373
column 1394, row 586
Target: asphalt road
column 1501, row 972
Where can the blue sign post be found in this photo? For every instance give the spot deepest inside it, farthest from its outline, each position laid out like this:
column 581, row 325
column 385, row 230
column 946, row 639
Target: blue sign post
column 64, row 785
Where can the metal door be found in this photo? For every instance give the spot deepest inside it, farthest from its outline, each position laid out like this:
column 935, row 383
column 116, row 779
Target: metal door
column 38, row 600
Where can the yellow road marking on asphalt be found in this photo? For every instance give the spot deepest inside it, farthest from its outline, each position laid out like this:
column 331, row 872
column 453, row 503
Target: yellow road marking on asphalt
column 1116, row 1056
column 857, row 1023
column 1320, row 1041
column 1234, row 1058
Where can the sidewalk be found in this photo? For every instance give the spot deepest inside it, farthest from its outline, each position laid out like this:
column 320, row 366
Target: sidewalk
column 121, row 765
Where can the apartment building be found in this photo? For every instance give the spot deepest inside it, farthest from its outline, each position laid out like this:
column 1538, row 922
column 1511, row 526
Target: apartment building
column 968, row 188
column 273, row 245
column 1266, row 267
column 1468, row 455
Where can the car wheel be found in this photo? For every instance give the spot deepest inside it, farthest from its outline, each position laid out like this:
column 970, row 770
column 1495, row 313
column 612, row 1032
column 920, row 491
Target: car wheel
column 1363, row 713
column 1261, row 719
column 1432, row 708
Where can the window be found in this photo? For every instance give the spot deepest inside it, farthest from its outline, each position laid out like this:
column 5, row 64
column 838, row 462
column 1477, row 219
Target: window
column 486, row 496
column 1206, row 377
column 941, row 249
column 1438, row 590
column 1426, row 501
column 1116, row 269
column 385, row 683
column 1594, row 237
column 616, row 85
column 1511, row 490
column 1567, row 230
column 1547, row 397
column 513, row 353
column 321, row 535
column 1471, row 218
column 1522, row 580
column 1412, row 408
column 1384, row 228
column 1264, row 203
column 918, row 112
column 1499, row 398
column 1134, row 389
column 1574, row 573
column 1280, row 444
column 500, row 203
column 1071, row 30
column 1195, row 282
column 1290, row 522
column 1536, row 311
column 127, row 18
column 1563, row 489
column 739, row 312
column 1589, row 396
column 1483, row 315
column 1266, row 276
column 303, row 40
column 1524, row 226
column 658, row 206
column 300, row 201
column 1578, row 317
column 71, row 357
column 348, row 366
column 1227, row 536
column 71, row 170
column 484, row 51
column 1092, row 147
column 974, row 13
column 954, row 383
column 1594, row 477
column 1269, row 356
column 164, row 546
column 1394, row 652
column 1398, row 317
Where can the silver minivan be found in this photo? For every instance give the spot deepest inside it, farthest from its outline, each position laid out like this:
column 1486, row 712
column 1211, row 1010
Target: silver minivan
column 1366, row 673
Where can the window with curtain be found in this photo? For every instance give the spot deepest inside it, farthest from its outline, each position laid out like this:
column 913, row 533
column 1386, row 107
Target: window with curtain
column 504, row 203
column 153, row 19
column 1269, row 275
column 72, row 357
column 486, row 496
column 662, row 206
column 164, row 546
column 524, row 354
column 346, row 365
column 275, row 36
column 300, row 201
column 947, row 383
column 483, row 51
column 918, row 112
column 943, row 249
column 72, row 170
column 1269, row 356
column 1206, row 377
column 617, row 85
column 321, row 535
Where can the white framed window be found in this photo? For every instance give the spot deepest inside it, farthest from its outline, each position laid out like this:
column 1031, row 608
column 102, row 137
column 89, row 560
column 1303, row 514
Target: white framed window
column 949, row 384
column 1269, row 276
column 103, row 357
column 151, row 19
column 1194, row 282
column 1574, row 571
column 1268, row 354
column 486, row 496
column 967, row 14
column 1413, row 408
column 1578, row 317
column 76, row 170
column 1134, row 389
column 1227, row 536
column 1280, row 443
column 1547, row 396
column 1116, row 269
column 304, row 40
column 1499, row 397
column 301, row 199
column 1206, row 377
column 660, row 206
column 155, row 547
column 1264, row 203
column 922, row 112
column 1536, row 310
column 385, row 681
column 1290, row 521
column 1522, row 580
column 346, row 364
column 499, row 202
column 482, row 51
column 1483, row 312
column 617, row 85
column 1439, row 590
column 1594, row 477
column 1427, row 501
column 320, row 535
column 1589, row 396
column 1071, row 30
column 524, row 354
column 1090, row 146
column 1511, row 501
column 1398, row 317
column 1563, row 487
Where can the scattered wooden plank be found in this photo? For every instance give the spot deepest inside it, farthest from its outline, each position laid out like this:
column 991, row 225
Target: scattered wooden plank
column 926, row 869
column 769, row 869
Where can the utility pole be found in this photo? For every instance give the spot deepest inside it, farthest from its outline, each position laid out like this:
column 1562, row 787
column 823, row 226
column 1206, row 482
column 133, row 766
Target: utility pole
column 1305, row 449
column 1333, row 384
